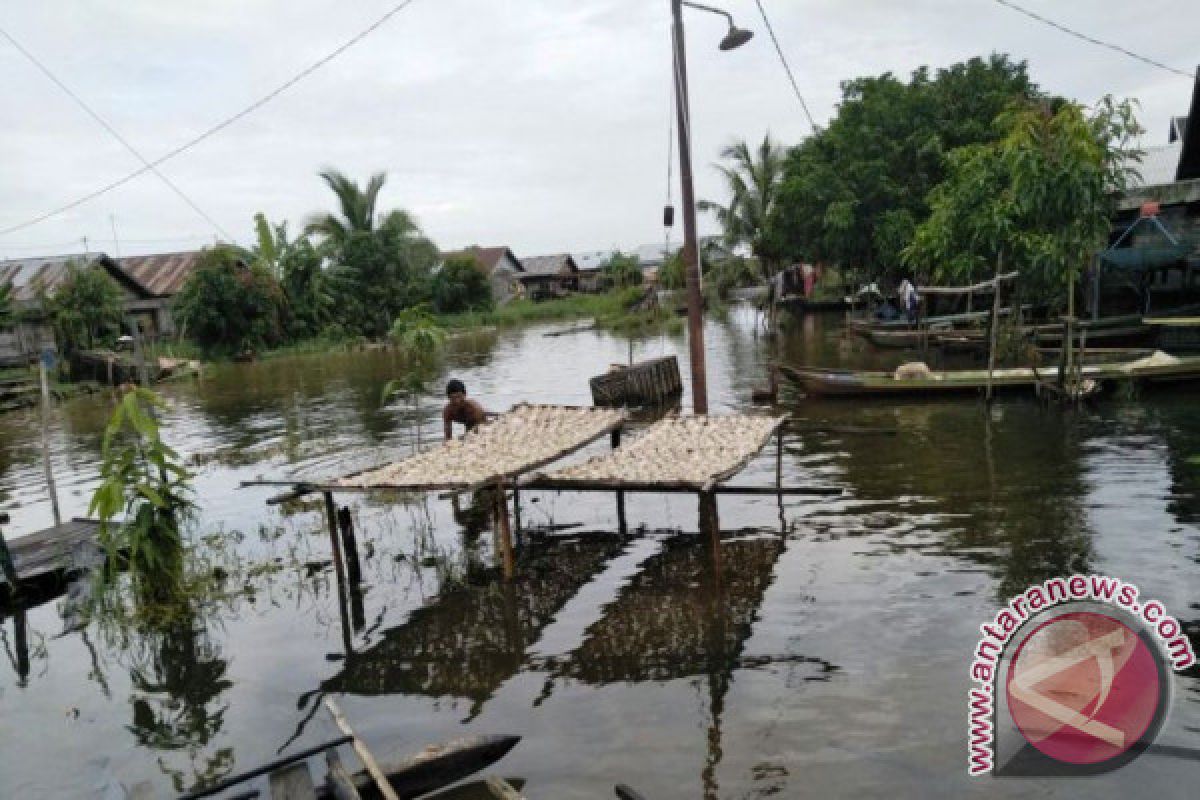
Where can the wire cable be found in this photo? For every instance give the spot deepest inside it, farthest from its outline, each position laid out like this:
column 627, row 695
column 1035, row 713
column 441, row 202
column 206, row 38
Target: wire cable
column 220, row 126
column 1090, row 39
column 786, row 67
column 115, row 134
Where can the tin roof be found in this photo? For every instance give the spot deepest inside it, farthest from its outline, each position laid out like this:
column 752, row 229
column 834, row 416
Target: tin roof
column 486, row 257
column 31, row 278
column 557, row 264
column 163, row 274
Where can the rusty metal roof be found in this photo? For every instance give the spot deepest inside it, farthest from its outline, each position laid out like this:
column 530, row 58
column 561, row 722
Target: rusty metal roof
column 31, row 278
column 163, row 274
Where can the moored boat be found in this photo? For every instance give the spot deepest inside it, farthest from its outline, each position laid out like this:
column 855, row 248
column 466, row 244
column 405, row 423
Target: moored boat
column 1155, row 368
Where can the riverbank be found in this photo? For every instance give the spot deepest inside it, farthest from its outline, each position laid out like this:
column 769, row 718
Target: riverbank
column 611, row 310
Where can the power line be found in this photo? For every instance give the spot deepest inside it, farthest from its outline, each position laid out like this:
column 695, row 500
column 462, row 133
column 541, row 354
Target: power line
column 1091, row 40
column 104, row 124
column 786, row 67
column 220, row 126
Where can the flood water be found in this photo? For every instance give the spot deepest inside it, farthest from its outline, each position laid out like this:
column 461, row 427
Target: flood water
column 822, row 650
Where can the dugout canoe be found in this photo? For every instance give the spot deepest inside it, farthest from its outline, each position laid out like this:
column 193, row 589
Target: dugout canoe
column 435, row 767
column 1156, row 368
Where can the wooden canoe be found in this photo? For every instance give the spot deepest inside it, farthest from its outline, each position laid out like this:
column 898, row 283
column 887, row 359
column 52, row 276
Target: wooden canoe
column 434, row 767
column 1158, row 368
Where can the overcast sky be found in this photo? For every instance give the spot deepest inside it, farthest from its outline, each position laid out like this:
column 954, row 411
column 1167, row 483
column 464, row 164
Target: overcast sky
column 541, row 124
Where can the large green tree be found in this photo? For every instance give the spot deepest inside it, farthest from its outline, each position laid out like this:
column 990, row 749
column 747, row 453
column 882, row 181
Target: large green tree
column 854, row 193
column 1041, row 197
column 382, row 261
column 752, row 178
column 228, row 306
column 87, row 309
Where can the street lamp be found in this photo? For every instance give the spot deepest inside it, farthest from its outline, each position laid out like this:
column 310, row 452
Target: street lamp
column 735, row 37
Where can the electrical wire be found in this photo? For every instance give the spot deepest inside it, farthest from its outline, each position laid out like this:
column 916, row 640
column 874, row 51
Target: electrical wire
column 1090, row 39
column 115, row 134
column 787, row 68
column 220, row 126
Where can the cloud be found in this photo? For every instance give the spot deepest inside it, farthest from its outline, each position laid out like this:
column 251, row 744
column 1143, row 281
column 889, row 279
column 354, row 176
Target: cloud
column 536, row 123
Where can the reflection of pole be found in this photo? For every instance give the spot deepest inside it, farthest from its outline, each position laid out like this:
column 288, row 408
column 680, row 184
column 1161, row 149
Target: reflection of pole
column 20, row 634
column 339, row 570
column 46, row 442
column 710, row 526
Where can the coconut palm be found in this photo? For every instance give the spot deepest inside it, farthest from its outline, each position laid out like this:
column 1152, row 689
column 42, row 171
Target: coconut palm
column 358, row 211
column 381, row 261
column 753, row 179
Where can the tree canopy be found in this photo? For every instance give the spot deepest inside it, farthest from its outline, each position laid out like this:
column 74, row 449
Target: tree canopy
column 854, row 193
column 87, row 309
column 460, row 285
column 381, row 262
column 1042, row 196
column 229, row 307
column 753, row 179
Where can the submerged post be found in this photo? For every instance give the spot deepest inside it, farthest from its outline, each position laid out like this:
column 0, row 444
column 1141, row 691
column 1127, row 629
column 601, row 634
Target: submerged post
column 339, row 570
column 622, row 526
column 504, row 532
column 349, row 546
column 995, row 324
column 44, row 363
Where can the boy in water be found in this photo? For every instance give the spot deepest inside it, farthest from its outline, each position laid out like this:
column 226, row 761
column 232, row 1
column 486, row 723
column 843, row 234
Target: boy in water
column 460, row 409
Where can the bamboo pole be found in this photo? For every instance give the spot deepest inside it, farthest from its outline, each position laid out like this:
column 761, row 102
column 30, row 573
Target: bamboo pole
column 995, row 324
column 51, row 488
column 381, row 781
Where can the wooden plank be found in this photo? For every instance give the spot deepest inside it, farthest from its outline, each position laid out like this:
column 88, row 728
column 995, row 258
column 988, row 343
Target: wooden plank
column 293, row 782
column 364, row 754
column 340, row 783
column 55, row 549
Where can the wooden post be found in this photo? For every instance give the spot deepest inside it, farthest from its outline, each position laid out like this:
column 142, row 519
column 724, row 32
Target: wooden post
column 995, row 324
column 349, row 547
column 381, row 781
column 140, row 352
column 50, row 487
column 8, row 568
column 779, row 458
column 339, row 570
column 517, row 511
column 622, row 525
column 504, row 532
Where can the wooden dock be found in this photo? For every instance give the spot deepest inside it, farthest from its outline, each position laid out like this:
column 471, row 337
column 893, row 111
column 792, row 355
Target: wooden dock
column 40, row 561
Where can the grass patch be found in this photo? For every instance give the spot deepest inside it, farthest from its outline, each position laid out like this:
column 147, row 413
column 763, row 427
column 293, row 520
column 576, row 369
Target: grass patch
column 610, row 310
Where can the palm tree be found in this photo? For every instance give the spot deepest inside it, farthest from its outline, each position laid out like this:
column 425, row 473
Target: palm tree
column 357, row 206
column 753, row 179
column 380, row 261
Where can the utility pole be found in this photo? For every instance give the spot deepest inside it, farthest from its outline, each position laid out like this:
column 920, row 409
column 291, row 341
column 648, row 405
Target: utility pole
column 691, row 251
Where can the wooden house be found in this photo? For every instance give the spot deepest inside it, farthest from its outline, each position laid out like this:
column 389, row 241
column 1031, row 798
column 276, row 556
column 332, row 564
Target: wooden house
column 502, row 268
column 549, row 276
column 163, row 275
column 32, row 281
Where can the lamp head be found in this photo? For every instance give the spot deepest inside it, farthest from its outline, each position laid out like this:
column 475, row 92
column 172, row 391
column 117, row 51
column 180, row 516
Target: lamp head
column 736, row 38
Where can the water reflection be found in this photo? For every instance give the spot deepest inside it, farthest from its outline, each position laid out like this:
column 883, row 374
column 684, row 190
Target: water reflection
column 469, row 641
column 178, row 677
